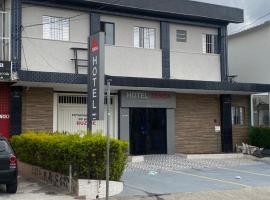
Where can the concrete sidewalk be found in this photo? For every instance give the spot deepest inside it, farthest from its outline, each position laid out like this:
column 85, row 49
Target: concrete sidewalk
column 260, row 193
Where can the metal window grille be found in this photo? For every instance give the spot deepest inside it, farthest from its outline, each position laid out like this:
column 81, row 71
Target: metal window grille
column 56, row 28
column 210, row 43
column 181, row 35
column 237, row 115
column 69, row 99
column 72, row 99
column 4, row 36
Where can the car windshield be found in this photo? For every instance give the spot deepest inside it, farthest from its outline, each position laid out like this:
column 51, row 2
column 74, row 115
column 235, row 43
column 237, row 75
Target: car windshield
column 4, row 147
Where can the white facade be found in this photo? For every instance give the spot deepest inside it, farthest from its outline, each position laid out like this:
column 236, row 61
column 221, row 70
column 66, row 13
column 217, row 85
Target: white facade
column 40, row 54
column 188, row 62
column 249, row 55
column 122, row 59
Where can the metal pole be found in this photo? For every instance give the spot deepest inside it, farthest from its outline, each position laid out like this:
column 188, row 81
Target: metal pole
column 70, row 179
column 108, row 138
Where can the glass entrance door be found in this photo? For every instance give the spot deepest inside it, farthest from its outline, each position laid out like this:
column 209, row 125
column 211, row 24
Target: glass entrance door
column 148, row 131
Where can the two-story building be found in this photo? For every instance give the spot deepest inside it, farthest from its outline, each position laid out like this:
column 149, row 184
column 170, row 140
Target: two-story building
column 167, row 61
column 249, row 62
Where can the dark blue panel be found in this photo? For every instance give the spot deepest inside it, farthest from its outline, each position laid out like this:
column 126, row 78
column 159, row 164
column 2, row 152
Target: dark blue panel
column 184, row 9
column 221, row 87
column 16, row 25
column 165, row 47
column 94, row 23
column 16, row 111
column 223, row 48
column 226, row 123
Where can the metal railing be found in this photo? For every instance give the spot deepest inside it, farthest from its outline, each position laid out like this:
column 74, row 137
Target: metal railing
column 78, row 60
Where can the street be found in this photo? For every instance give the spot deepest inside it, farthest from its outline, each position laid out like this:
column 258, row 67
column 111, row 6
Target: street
column 173, row 178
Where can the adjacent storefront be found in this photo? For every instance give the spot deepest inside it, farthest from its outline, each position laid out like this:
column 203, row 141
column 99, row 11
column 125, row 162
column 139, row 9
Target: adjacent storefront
column 71, row 114
column 4, row 109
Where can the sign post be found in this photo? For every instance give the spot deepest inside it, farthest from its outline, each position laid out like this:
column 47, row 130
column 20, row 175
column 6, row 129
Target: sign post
column 108, row 138
column 95, row 108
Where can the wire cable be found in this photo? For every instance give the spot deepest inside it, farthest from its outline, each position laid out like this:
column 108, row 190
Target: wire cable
column 250, row 24
column 70, row 18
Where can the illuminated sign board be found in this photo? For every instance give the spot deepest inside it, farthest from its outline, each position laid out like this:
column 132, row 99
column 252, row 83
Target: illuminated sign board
column 96, row 78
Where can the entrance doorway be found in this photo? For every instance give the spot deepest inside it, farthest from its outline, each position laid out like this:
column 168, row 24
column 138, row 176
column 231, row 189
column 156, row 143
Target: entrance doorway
column 148, row 131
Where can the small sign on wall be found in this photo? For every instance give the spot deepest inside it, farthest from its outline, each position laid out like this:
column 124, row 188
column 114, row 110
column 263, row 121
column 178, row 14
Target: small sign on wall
column 217, row 129
column 5, row 70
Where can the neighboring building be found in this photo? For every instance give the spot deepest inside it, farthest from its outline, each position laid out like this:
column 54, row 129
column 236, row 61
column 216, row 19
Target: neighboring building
column 249, row 62
column 168, row 64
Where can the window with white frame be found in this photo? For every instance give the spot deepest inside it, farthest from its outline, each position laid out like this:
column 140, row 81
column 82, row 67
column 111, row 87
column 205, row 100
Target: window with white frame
column 144, row 37
column 210, row 43
column 238, row 115
column 55, row 28
column 4, row 36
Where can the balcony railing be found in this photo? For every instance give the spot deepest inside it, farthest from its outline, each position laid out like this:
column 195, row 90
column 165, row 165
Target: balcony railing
column 4, row 36
column 79, row 59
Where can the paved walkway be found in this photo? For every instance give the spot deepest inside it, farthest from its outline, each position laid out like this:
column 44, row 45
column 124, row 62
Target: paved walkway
column 30, row 190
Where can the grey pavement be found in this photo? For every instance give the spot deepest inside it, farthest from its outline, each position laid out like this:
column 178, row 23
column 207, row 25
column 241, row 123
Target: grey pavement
column 262, row 193
column 164, row 177
column 161, row 175
column 30, row 190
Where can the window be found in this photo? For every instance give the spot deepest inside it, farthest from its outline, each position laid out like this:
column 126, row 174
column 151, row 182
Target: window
column 4, row 36
column 55, row 28
column 260, row 110
column 4, row 148
column 210, row 43
column 237, row 115
column 144, row 37
column 108, row 29
column 181, row 36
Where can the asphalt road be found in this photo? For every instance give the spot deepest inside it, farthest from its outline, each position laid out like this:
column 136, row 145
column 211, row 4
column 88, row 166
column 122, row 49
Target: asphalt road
column 174, row 178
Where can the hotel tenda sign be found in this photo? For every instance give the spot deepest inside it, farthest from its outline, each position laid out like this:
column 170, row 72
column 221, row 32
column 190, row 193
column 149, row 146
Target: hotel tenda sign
column 5, row 70
column 142, row 99
column 96, row 78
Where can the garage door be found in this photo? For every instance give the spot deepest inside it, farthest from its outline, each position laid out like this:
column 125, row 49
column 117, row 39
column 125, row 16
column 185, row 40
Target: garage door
column 72, row 115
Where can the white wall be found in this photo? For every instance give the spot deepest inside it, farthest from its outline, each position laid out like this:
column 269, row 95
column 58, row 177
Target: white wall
column 249, row 56
column 133, row 62
column 39, row 54
column 187, row 58
column 195, row 66
column 123, row 59
column 124, row 35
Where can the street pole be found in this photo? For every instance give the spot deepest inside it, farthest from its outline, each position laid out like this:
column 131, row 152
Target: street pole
column 108, row 138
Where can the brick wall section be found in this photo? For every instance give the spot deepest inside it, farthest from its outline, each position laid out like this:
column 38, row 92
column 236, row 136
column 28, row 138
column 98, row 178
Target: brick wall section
column 37, row 109
column 195, row 123
column 240, row 132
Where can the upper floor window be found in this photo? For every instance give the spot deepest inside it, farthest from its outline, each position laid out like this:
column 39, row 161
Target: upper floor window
column 4, row 36
column 55, row 28
column 144, row 37
column 181, row 36
column 109, row 30
column 237, row 115
column 210, row 43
